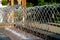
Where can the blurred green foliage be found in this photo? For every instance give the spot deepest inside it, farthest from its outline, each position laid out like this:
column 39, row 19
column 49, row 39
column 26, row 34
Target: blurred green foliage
column 46, row 2
column 35, row 2
column 4, row 2
column 29, row 5
column 41, row 2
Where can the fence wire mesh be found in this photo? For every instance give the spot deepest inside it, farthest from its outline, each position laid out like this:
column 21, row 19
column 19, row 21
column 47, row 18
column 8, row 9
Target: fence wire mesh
column 41, row 14
column 35, row 18
column 38, row 18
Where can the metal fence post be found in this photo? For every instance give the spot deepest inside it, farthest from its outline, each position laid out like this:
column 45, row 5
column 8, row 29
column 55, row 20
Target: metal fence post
column 12, row 4
column 24, row 11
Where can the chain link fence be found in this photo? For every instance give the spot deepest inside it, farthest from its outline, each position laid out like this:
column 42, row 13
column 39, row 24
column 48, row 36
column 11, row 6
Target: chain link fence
column 38, row 19
column 35, row 18
column 41, row 14
column 44, row 14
